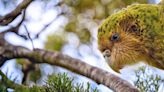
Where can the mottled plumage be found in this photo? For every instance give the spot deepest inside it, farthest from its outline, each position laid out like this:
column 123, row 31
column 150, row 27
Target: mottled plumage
column 133, row 34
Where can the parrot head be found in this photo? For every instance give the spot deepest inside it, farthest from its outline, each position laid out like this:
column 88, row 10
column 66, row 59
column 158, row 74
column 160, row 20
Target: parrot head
column 124, row 36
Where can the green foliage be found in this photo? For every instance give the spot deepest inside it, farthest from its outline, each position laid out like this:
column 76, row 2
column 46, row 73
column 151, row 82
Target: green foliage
column 55, row 42
column 147, row 82
column 83, row 15
column 34, row 72
column 34, row 75
column 31, row 89
column 84, row 35
column 63, row 83
column 3, row 88
column 56, row 83
column 59, row 83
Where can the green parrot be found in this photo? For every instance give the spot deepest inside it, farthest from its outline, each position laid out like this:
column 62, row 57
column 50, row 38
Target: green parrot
column 132, row 35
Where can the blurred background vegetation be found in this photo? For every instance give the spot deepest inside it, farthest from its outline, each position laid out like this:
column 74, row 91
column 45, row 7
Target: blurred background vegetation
column 70, row 27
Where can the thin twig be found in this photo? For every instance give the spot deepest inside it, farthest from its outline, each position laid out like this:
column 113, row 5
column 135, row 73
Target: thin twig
column 44, row 28
column 28, row 34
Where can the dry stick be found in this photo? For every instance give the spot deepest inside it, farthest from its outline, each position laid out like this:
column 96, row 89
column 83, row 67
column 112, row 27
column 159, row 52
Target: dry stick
column 54, row 58
column 8, row 18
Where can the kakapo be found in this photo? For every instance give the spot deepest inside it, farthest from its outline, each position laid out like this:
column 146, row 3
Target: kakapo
column 133, row 34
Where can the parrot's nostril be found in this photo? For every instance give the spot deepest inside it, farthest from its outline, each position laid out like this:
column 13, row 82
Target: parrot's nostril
column 107, row 53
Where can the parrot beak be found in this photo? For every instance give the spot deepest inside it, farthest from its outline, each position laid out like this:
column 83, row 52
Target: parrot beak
column 107, row 54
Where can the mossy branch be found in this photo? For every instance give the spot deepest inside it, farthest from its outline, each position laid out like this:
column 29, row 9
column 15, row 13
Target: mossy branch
column 8, row 83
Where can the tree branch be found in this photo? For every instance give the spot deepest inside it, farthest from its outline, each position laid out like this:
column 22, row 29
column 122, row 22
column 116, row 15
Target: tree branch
column 55, row 58
column 14, row 29
column 8, row 18
column 8, row 83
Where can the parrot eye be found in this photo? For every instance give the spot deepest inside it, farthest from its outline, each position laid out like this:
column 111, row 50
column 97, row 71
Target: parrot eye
column 115, row 37
column 134, row 28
